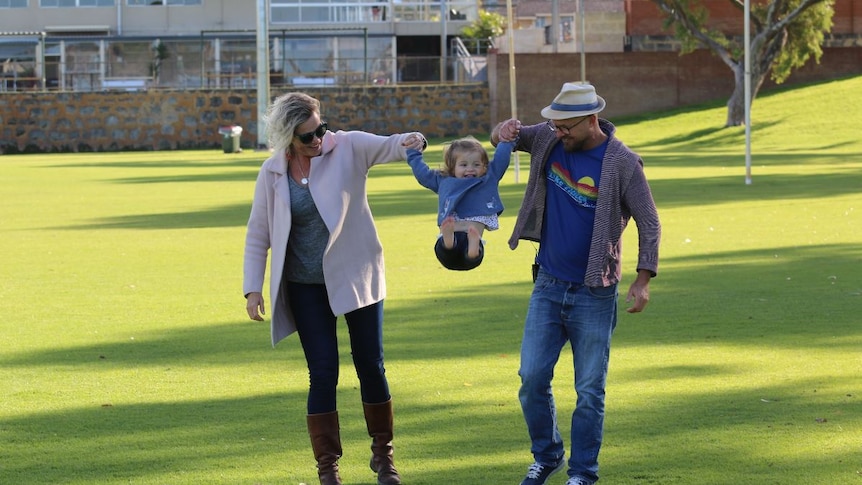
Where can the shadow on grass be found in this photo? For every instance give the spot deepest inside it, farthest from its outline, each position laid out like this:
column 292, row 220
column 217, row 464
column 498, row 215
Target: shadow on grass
column 747, row 298
column 731, row 188
column 141, row 161
column 788, row 297
column 415, row 200
column 226, row 216
column 752, row 434
column 198, row 441
column 202, row 441
column 406, row 202
column 657, row 441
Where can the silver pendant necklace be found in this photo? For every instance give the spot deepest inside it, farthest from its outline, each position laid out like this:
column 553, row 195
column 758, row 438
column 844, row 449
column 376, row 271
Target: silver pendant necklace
column 304, row 178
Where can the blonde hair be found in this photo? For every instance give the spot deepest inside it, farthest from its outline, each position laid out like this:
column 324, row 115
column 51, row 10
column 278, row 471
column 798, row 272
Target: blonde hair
column 283, row 116
column 468, row 144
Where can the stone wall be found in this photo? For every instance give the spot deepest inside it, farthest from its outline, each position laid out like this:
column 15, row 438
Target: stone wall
column 633, row 83
column 166, row 120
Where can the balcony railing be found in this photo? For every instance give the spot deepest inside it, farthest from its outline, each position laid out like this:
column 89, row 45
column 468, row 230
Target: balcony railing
column 284, row 13
column 229, row 63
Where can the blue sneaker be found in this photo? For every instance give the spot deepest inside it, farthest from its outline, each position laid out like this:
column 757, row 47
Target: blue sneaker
column 539, row 473
column 579, row 481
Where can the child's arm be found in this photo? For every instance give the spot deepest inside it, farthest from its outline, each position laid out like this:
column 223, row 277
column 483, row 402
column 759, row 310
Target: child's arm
column 502, row 156
column 426, row 177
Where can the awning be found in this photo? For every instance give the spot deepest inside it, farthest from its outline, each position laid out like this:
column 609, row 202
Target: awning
column 18, row 48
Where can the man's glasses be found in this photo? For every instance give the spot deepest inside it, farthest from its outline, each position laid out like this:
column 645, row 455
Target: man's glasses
column 306, row 138
column 566, row 130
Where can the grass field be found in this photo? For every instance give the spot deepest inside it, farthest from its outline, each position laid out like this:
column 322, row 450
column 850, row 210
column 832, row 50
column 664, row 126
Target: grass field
column 126, row 355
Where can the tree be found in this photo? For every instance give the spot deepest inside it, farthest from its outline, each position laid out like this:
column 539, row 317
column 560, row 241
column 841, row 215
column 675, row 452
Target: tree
column 160, row 53
column 784, row 35
column 485, row 28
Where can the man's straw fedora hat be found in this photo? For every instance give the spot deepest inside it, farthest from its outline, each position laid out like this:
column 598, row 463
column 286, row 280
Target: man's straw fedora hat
column 574, row 100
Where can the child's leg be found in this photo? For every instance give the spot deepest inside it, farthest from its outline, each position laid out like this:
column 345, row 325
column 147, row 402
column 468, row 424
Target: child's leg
column 447, row 229
column 474, row 242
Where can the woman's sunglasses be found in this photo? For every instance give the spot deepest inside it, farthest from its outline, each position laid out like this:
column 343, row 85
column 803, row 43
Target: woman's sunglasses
column 307, row 138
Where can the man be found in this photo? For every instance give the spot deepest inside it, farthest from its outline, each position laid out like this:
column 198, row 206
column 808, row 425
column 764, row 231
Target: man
column 583, row 188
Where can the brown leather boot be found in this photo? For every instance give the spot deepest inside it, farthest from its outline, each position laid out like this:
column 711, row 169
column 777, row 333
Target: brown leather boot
column 378, row 418
column 326, row 444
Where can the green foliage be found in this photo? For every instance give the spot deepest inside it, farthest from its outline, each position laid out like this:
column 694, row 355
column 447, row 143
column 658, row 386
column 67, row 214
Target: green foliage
column 160, row 52
column 785, row 45
column 784, row 35
column 693, row 13
column 804, row 40
column 127, row 355
column 489, row 25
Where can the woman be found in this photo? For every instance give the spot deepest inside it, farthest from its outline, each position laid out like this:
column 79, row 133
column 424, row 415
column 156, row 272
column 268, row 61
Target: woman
column 311, row 210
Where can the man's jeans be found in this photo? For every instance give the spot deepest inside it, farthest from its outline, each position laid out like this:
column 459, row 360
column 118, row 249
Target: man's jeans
column 561, row 312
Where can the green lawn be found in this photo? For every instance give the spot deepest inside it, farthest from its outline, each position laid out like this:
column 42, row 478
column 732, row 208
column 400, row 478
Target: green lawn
column 127, row 356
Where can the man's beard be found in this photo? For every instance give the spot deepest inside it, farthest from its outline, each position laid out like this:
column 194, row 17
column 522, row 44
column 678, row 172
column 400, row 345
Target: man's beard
column 572, row 145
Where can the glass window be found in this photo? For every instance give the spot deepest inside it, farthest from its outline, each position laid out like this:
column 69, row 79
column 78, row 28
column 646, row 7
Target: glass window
column 76, row 3
column 13, row 3
column 163, row 2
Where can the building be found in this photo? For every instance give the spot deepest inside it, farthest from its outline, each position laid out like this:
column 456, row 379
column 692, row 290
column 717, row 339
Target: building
column 90, row 45
column 138, row 44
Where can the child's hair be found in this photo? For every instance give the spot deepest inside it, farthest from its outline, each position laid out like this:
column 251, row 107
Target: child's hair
column 462, row 145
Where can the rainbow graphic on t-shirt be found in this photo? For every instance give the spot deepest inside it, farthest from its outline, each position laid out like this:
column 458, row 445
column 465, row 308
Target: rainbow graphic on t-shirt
column 584, row 191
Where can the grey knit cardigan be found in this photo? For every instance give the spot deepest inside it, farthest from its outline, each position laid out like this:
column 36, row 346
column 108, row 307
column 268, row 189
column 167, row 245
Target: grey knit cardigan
column 623, row 194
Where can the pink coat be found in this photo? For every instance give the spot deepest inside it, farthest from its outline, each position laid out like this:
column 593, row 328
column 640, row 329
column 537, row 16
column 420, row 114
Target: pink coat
column 353, row 258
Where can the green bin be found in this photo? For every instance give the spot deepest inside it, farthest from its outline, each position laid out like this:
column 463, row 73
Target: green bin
column 230, row 138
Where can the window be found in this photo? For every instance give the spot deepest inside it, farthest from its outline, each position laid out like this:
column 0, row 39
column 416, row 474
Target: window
column 565, row 33
column 13, row 3
column 163, row 2
column 76, row 3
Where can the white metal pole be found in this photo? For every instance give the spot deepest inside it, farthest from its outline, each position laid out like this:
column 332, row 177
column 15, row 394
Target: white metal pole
column 444, row 49
column 513, row 94
column 262, row 70
column 747, row 40
column 555, row 25
column 119, row 18
column 583, row 36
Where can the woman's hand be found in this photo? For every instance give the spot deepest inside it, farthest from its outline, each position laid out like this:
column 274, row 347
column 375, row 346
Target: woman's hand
column 415, row 141
column 254, row 306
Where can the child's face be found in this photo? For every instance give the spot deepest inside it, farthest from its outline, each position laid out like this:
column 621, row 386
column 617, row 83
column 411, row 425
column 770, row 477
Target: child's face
column 469, row 165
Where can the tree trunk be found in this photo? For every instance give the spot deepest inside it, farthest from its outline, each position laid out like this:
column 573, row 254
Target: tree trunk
column 736, row 103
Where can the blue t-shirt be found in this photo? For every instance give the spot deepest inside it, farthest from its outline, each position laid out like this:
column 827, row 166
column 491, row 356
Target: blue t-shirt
column 573, row 188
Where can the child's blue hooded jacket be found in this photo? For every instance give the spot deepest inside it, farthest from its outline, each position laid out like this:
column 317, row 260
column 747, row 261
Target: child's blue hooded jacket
column 468, row 197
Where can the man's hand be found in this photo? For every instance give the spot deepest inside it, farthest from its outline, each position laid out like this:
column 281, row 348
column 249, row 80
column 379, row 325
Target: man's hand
column 639, row 292
column 506, row 131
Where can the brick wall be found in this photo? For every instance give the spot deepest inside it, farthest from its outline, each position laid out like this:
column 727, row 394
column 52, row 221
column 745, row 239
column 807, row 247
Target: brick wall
column 645, row 18
column 638, row 82
column 848, row 17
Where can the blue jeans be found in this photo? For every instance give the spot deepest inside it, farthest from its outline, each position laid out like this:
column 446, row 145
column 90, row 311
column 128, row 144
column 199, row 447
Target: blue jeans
column 315, row 325
column 585, row 317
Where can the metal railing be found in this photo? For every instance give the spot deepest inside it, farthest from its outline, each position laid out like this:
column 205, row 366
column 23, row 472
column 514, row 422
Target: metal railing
column 228, row 63
column 293, row 12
